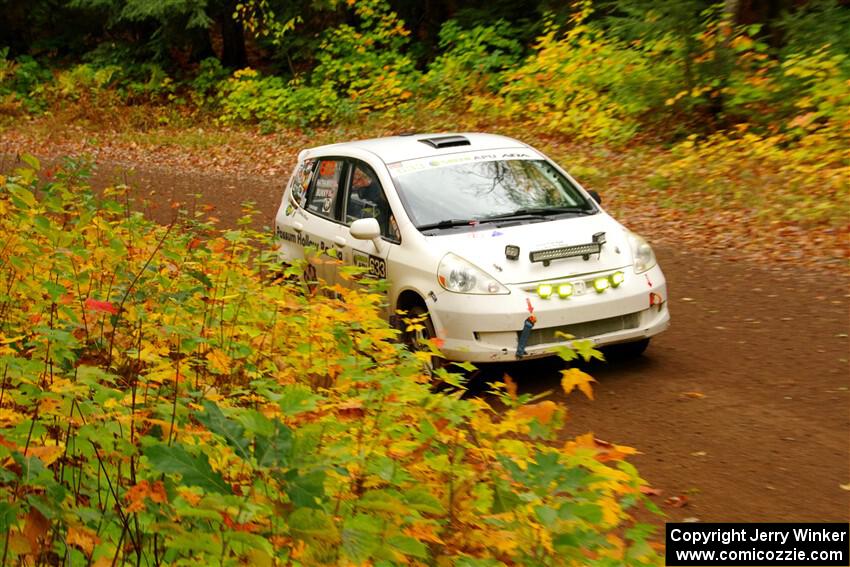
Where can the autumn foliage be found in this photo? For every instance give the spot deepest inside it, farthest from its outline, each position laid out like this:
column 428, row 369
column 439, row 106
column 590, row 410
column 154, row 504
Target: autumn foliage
column 167, row 397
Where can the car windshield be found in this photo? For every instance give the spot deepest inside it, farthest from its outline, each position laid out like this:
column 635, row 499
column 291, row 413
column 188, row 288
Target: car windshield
column 460, row 192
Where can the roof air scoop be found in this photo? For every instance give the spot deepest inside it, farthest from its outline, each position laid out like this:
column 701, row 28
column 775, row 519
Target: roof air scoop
column 446, row 141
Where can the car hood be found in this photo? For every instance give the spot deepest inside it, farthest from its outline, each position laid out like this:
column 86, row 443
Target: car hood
column 485, row 247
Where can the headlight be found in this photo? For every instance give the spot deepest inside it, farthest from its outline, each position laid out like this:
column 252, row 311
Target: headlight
column 644, row 257
column 457, row 275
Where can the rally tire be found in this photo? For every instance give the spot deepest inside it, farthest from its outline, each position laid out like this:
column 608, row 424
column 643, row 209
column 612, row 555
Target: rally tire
column 626, row 351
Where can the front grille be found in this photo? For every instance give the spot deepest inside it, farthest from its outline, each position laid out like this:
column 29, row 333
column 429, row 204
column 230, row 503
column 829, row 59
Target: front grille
column 584, row 330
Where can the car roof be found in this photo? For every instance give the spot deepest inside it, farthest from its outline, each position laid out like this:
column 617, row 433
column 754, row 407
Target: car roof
column 403, row 147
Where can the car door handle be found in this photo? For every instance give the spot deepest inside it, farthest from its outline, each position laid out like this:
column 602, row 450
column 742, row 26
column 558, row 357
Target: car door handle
column 297, row 226
column 339, row 241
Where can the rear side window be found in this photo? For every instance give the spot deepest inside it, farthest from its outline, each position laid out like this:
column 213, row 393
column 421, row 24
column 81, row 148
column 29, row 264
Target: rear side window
column 324, row 194
column 301, row 180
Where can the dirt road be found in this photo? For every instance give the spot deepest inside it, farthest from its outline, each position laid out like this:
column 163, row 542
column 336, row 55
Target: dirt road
column 742, row 409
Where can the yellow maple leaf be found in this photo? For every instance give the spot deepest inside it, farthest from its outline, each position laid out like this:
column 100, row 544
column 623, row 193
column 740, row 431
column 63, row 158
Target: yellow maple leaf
column 9, row 418
column 542, row 411
column 219, row 362
column 575, row 378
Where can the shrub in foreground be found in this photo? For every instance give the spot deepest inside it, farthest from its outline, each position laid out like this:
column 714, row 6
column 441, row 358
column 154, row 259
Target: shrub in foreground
column 162, row 402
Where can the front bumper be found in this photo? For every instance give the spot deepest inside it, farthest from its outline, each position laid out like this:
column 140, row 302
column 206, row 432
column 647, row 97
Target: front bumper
column 486, row 328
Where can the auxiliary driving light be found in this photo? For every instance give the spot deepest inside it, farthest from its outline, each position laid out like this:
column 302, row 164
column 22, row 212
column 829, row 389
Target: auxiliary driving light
column 544, row 291
column 617, row 278
column 601, row 284
column 565, row 290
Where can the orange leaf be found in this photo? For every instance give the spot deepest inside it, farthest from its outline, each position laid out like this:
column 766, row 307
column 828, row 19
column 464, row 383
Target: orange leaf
column 605, row 451
column 35, row 530
column 135, row 495
column 423, row 532
column 541, row 411
column 158, row 494
column 46, row 455
column 575, row 378
column 83, row 538
column 510, row 386
column 694, row 395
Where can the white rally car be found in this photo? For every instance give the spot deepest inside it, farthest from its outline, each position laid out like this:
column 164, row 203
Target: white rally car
column 496, row 247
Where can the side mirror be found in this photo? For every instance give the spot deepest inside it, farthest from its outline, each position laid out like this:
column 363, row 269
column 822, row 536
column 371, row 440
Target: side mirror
column 366, row 229
column 595, row 196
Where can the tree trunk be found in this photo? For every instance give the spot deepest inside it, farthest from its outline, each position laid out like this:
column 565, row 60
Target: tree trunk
column 233, row 39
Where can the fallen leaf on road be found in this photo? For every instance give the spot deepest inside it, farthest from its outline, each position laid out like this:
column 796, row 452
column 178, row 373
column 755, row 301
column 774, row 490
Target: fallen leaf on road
column 649, row 491
column 694, row 395
column 699, row 454
column 845, row 486
column 677, row 501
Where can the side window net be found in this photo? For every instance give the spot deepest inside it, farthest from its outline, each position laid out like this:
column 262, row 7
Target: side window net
column 323, row 198
column 366, row 199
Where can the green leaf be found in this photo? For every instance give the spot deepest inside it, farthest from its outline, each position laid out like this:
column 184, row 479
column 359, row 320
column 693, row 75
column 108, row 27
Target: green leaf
column 274, row 450
column 311, row 524
column 8, row 513
column 201, row 277
column 251, row 541
column 423, row 501
column 382, row 501
column 31, row 161
column 54, row 290
column 306, row 490
column 591, row 513
column 42, row 223
column 21, row 194
column 504, row 499
column 256, row 423
column 409, row 546
column 232, row 431
column 210, row 543
column 361, row 537
column 297, row 399
column 546, row 515
column 194, row 470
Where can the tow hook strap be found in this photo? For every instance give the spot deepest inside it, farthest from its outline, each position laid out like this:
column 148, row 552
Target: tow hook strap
column 526, row 331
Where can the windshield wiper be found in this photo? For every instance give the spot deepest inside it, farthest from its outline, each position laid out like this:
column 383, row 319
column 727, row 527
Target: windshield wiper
column 544, row 211
column 448, row 223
